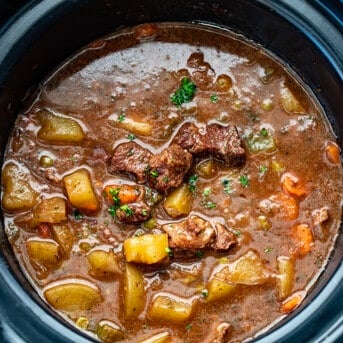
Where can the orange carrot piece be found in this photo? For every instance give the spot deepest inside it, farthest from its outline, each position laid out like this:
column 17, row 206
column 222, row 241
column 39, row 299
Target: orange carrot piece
column 291, row 303
column 288, row 205
column 304, row 238
column 291, row 185
column 127, row 193
column 332, row 152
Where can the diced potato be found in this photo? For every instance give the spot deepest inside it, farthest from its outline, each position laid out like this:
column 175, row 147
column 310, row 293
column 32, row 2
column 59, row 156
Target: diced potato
column 219, row 290
column 246, row 270
column 17, row 191
column 286, row 275
column 149, row 248
column 169, row 309
column 44, row 252
column 159, row 338
column 178, row 202
column 82, row 322
column 134, row 299
column 102, row 263
column 63, row 236
column 109, row 332
column 51, row 210
column 80, row 190
column 73, row 295
column 289, row 102
column 207, row 169
column 56, row 129
column 261, row 142
column 135, row 126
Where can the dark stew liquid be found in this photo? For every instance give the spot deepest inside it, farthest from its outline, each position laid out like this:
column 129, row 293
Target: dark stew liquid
column 172, row 183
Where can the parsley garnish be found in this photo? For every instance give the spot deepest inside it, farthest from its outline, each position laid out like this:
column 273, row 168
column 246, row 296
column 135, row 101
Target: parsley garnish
column 263, row 169
column 264, row 132
column 131, row 137
column 227, row 186
column 121, row 118
column 200, row 254
column 206, row 192
column 144, row 212
column 116, row 201
column 237, row 233
column 126, row 209
column 168, row 251
column 210, row 205
column 244, row 180
column 268, row 249
column 188, row 326
column 214, row 98
column 153, row 173
column 165, row 179
column 192, row 182
column 112, row 211
column 77, row 214
column 184, row 93
column 204, row 293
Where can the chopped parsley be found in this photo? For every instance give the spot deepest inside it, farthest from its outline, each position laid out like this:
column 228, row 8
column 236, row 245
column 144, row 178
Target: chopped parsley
column 268, row 249
column 114, row 192
column 131, row 137
column 112, row 211
column 227, row 184
column 214, row 98
column 121, row 118
column 165, row 179
column 210, row 205
column 207, row 191
column 130, row 152
column 168, row 251
column 262, row 170
column 188, row 326
column 204, row 293
column 126, row 209
column 264, row 132
column 144, row 212
column 237, row 233
column 244, row 180
column 153, row 173
column 200, row 254
column 77, row 214
column 184, row 93
column 192, row 183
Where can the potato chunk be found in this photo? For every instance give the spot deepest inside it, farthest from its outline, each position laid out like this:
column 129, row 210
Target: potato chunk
column 286, row 275
column 51, row 210
column 60, row 130
column 149, row 248
column 102, row 263
column 80, row 190
column 207, row 169
column 246, row 270
column 178, row 202
column 63, row 236
column 109, row 332
column 17, row 191
column 132, row 123
column 289, row 102
column 219, row 290
column 159, row 338
column 73, row 295
column 169, row 309
column 43, row 252
column 134, row 299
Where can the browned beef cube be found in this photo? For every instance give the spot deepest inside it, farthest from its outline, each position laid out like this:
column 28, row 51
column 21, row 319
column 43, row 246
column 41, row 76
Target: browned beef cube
column 133, row 213
column 130, row 158
column 168, row 168
column 222, row 142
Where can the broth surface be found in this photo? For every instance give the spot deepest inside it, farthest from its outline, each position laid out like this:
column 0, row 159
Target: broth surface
column 281, row 205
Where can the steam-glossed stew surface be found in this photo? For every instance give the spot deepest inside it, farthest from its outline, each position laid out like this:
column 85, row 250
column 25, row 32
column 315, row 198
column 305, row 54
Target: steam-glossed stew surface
column 172, row 183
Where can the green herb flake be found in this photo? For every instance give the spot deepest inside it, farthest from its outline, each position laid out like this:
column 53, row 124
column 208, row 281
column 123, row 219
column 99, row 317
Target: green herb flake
column 131, row 137
column 77, row 214
column 264, row 132
column 207, row 191
column 121, row 118
column 210, row 205
column 244, row 180
column 112, row 211
column 153, row 173
column 189, row 326
column 168, row 251
column 144, row 212
column 126, row 209
column 184, row 93
column 165, row 179
column 200, row 254
column 227, row 184
column 214, row 98
column 192, row 183
column 114, row 193
column 268, row 249
column 204, row 293
column 237, row 233
column 262, row 170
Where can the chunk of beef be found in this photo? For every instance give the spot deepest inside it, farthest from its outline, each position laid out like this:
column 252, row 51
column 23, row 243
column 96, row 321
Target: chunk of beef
column 133, row 213
column 196, row 233
column 168, row 168
column 130, row 158
column 222, row 142
column 99, row 155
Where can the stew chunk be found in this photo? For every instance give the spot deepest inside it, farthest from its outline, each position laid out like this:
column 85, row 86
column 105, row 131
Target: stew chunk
column 223, row 142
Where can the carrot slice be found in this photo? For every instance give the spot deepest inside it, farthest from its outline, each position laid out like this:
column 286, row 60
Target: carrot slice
column 304, row 238
column 289, row 206
column 291, row 185
column 125, row 193
column 332, row 152
column 291, row 303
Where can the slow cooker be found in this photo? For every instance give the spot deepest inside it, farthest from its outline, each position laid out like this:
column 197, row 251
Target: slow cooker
column 307, row 35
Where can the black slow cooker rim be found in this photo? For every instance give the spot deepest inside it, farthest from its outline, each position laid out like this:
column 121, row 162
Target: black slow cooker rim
column 52, row 328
